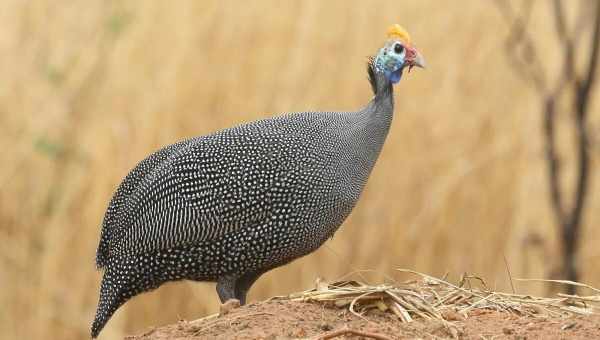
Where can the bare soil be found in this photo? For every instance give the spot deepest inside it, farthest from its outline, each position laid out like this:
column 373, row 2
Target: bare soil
column 284, row 319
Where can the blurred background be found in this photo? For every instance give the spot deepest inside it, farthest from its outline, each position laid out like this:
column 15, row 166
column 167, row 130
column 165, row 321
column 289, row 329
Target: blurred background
column 89, row 88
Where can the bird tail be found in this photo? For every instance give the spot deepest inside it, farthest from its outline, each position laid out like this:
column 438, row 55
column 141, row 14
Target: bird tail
column 102, row 252
column 113, row 294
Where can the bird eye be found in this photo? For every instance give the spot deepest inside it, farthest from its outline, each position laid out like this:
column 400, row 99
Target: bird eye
column 398, row 48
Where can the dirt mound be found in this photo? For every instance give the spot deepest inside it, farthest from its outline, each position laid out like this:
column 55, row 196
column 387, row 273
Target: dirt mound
column 428, row 308
column 284, row 319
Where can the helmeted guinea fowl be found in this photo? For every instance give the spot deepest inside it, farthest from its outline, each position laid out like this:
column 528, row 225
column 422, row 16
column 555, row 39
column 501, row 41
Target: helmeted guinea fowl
column 229, row 206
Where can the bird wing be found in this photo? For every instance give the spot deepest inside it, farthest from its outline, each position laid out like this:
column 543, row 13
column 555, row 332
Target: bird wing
column 220, row 183
column 116, row 208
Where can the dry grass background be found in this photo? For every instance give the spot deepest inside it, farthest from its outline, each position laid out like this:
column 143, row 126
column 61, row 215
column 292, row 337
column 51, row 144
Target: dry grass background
column 87, row 89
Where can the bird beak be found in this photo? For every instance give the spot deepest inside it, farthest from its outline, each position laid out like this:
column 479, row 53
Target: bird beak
column 419, row 61
column 415, row 60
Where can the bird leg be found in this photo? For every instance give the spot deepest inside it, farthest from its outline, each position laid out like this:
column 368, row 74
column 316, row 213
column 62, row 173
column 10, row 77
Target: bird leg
column 232, row 290
column 226, row 290
column 243, row 284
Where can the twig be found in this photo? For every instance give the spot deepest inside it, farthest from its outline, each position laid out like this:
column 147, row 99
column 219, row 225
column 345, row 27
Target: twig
column 351, row 308
column 348, row 331
column 229, row 320
column 509, row 275
column 565, row 282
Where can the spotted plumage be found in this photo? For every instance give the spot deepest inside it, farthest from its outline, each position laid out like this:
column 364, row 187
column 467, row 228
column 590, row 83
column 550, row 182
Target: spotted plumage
column 231, row 205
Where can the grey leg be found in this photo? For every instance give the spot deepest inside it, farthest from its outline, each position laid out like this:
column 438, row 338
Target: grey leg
column 243, row 284
column 226, row 288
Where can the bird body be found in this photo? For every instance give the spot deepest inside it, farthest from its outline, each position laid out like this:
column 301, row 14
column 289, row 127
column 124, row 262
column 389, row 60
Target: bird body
column 231, row 205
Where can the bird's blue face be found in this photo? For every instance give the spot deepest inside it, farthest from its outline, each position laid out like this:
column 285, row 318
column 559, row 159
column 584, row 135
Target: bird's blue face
column 394, row 57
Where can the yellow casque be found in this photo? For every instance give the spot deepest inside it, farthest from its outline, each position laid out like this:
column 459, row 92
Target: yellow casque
column 398, row 32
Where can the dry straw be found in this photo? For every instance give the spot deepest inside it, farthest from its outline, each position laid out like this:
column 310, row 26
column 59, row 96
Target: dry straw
column 430, row 298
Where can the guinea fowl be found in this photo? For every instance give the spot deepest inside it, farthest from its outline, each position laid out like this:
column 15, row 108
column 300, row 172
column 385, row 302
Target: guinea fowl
column 229, row 206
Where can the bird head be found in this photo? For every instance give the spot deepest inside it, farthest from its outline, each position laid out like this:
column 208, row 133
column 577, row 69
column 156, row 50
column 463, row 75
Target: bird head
column 396, row 54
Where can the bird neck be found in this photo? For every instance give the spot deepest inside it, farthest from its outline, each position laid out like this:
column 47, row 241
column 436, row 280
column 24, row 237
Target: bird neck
column 384, row 96
column 382, row 89
column 376, row 118
column 365, row 136
column 381, row 106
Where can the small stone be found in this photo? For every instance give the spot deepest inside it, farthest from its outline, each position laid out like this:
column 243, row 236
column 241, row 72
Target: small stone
column 325, row 327
column 301, row 333
column 508, row 331
column 477, row 312
column 451, row 315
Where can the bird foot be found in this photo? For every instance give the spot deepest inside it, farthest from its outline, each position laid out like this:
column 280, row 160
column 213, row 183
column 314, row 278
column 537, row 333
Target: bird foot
column 228, row 306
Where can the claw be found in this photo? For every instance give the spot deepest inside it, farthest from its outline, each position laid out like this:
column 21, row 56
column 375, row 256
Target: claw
column 226, row 307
